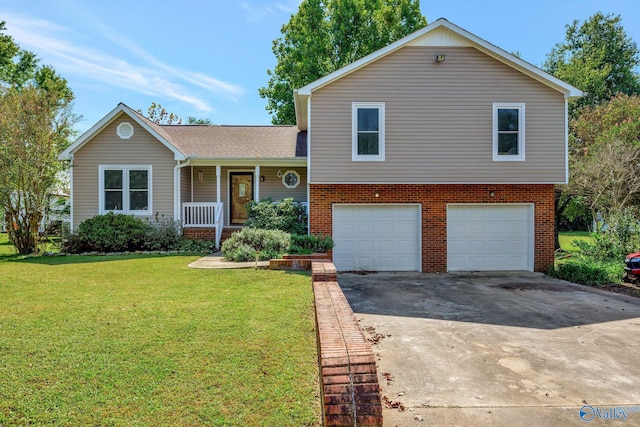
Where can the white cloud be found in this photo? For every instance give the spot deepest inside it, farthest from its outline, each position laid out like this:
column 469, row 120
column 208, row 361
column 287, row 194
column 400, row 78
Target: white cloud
column 56, row 46
column 261, row 12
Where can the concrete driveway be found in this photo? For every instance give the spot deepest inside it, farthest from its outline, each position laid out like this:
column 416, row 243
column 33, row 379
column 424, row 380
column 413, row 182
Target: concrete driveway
column 519, row 349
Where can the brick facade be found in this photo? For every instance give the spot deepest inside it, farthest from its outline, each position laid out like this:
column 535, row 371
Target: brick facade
column 434, row 199
column 200, row 233
column 208, row 233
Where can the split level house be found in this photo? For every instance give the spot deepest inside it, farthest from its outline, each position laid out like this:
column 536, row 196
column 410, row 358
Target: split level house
column 437, row 153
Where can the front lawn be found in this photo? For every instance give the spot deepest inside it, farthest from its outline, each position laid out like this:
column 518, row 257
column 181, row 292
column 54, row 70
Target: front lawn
column 566, row 238
column 134, row 340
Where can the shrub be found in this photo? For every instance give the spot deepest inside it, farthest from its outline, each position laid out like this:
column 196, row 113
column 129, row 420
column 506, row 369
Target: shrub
column 618, row 238
column 120, row 233
column 589, row 272
column 285, row 215
column 244, row 244
column 109, row 233
column 163, row 234
column 310, row 244
column 196, row 245
column 72, row 243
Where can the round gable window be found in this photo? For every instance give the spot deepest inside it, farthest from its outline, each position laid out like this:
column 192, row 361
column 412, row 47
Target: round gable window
column 291, row 179
column 125, row 130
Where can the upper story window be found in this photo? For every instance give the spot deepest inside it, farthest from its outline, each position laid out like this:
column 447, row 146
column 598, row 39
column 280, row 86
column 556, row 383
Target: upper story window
column 367, row 131
column 125, row 189
column 508, row 131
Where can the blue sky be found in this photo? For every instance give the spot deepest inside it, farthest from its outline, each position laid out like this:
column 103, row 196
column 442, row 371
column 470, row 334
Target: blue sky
column 208, row 58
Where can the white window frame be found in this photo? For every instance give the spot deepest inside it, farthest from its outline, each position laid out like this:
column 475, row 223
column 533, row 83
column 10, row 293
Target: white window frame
column 355, row 106
column 125, row 189
column 123, row 134
column 287, row 173
column 520, row 106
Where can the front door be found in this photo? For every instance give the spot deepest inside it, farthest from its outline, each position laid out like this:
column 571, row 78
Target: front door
column 241, row 190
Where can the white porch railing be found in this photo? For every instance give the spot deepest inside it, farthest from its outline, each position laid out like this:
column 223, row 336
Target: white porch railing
column 200, row 215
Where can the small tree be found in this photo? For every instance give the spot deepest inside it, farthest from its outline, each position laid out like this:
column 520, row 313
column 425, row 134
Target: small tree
column 607, row 175
column 35, row 125
column 157, row 114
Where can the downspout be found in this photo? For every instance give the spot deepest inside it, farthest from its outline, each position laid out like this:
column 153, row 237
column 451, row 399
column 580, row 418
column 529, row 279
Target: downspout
column 177, row 211
column 71, row 194
column 308, row 163
column 566, row 138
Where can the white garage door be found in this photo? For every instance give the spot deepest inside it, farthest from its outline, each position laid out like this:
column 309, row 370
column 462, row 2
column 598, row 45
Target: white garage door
column 377, row 237
column 489, row 237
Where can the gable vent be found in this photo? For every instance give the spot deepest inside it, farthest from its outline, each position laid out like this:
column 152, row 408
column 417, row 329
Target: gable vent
column 125, row 130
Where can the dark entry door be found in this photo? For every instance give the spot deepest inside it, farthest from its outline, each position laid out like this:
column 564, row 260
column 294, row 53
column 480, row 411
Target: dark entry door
column 241, row 191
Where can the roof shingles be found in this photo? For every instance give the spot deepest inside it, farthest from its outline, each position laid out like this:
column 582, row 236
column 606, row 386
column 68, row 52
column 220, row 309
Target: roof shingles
column 215, row 141
column 236, row 141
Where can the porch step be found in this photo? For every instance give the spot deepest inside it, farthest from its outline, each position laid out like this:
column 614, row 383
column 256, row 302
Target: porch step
column 227, row 232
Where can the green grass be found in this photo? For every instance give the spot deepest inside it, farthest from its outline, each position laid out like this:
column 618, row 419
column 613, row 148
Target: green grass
column 566, row 239
column 135, row 340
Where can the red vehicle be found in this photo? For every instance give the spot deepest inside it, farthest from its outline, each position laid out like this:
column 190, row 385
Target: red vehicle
column 632, row 268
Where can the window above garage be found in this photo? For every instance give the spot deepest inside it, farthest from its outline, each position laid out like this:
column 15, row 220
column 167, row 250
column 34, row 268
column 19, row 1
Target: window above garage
column 508, row 131
column 367, row 131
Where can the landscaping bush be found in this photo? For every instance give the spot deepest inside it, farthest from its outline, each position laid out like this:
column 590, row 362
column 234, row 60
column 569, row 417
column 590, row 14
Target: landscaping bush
column 163, row 234
column 618, row 238
column 244, row 244
column 589, row 272
column 285, row 215
column 196, row 245
column 122, row 233
column 109, row 233
column 310, row 244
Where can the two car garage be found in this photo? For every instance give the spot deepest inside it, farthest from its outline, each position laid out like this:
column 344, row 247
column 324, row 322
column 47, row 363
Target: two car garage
column 388, row 237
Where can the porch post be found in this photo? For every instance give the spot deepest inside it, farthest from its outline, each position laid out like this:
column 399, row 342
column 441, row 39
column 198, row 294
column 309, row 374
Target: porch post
column 218, row 173
column 257, row 181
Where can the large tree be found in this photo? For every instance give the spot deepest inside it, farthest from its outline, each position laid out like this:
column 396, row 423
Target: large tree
column 597, row 57
column 19, row 67
column 327, row 35
column 35, row 124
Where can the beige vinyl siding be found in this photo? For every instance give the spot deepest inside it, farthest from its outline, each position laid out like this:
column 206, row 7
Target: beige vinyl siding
column 204, row 191
column 185, row 184
column 438, row 121
column 272, row 186
column 106, row 148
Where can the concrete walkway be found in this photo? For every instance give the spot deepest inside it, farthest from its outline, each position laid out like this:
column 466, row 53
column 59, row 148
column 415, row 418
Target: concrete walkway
column 216, row 260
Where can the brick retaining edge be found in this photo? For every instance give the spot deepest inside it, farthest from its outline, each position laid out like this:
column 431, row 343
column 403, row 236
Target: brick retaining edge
column 350, row 389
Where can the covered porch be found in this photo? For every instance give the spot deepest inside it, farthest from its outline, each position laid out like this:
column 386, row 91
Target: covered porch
column 213, row 197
